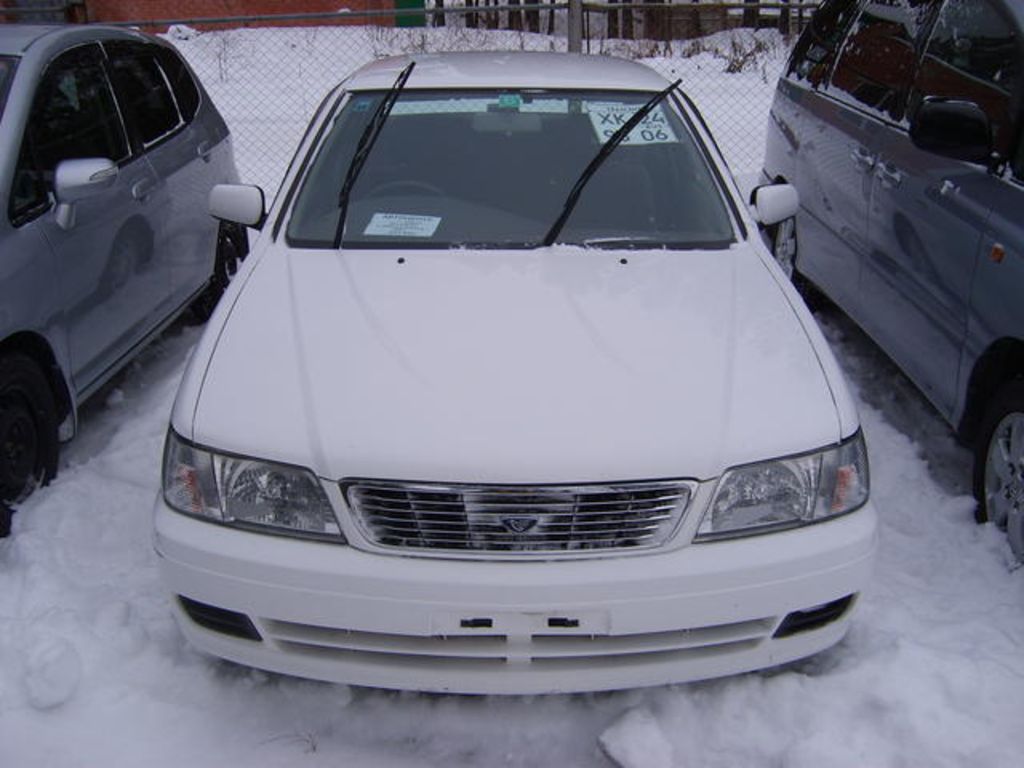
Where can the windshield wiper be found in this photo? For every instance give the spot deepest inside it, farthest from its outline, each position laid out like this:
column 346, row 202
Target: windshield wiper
column 602, row 154
column 365, row 144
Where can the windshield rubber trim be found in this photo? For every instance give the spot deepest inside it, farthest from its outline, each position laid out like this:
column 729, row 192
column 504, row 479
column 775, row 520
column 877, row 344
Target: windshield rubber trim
column 313, row 150
column 723, row 188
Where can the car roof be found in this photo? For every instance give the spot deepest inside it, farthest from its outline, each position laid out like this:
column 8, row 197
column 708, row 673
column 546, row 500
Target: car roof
column 511, row 69
column 17, row 39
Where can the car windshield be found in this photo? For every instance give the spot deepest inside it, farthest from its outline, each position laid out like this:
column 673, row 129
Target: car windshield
column 494, row 168
column 6, row 73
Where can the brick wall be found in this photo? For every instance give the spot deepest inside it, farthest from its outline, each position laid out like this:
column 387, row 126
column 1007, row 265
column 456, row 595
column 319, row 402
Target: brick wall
column 140, row 10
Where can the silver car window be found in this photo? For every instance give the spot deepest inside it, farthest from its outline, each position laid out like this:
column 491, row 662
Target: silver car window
column 7, row 65
column 143, row 91
column 184, row 87
column 876, row 65
column 493, row 169
column 973, row 54
column 815, row 51
column 73, row 115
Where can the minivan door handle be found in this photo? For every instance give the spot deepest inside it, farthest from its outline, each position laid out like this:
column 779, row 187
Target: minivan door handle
column 862, row 159
column 203, row 150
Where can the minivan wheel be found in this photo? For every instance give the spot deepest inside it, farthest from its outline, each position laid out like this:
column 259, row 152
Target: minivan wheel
column 784, row 246
column 232, row 248
column 999, row 465
column 28, row 428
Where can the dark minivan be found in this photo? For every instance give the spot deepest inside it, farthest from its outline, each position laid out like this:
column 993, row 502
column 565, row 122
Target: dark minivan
column 899, row 122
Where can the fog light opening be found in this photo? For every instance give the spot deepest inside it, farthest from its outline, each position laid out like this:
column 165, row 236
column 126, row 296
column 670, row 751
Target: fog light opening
column 220, row 619
column 813, row 618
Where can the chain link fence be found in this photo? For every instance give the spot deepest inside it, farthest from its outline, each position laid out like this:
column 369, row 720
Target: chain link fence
column 268, row 80
column 267, row 74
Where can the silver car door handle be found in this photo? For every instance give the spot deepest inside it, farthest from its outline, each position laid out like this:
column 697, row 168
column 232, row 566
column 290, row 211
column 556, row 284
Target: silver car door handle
column 889, row 176
column 861, row 159
column 203, row 150
column 142, row 188
column 948, row 188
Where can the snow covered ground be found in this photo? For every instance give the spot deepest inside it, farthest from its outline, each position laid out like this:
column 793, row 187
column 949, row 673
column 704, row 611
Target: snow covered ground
column 93, row 671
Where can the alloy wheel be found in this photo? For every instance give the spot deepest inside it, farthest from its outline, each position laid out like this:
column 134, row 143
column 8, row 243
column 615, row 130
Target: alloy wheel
column 1004, row 478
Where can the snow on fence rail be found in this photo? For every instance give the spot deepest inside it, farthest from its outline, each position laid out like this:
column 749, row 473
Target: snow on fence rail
column 267, row 74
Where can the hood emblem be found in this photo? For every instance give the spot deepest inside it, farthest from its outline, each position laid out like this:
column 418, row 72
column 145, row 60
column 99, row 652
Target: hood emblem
column 519, row 523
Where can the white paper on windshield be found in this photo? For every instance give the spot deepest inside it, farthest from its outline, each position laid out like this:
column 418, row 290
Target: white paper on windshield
column 402, row 225
column 609, row 117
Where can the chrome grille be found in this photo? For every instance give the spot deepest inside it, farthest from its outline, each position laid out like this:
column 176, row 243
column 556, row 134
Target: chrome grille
column 517, row 519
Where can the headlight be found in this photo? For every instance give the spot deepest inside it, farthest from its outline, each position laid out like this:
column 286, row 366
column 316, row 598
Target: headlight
column 788, row 492
column 249, row 493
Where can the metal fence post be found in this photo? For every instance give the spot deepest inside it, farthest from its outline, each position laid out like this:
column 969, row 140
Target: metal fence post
column 575, row 22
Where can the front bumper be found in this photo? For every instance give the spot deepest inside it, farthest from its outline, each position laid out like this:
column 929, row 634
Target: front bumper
column 336, row 613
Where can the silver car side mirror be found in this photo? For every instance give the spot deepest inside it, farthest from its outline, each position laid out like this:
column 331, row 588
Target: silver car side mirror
column 775, row 203
column 74, row 180
column 240, row 203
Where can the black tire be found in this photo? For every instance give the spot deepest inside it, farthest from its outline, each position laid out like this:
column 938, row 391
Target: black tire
column 28, row 428
column 999, row 477
column 232, row 248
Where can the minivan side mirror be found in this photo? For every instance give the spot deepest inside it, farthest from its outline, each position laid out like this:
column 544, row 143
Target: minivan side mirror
column 77, row 179
column 774, row 203
column 959, row 130
column 240, row 203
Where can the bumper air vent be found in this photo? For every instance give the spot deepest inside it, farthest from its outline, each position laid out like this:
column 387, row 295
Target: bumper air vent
column 220, row 619
column 813, row 618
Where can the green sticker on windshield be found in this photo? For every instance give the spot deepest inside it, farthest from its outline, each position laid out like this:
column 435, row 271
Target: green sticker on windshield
column 509, row 101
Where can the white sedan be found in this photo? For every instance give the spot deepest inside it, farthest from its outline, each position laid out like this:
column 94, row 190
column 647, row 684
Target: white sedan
column 511, row 398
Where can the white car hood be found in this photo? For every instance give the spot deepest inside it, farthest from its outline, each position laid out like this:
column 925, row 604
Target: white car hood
column 549, row 365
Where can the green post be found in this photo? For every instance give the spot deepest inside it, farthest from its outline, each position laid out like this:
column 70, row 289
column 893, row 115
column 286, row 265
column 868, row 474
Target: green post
column 410, row 20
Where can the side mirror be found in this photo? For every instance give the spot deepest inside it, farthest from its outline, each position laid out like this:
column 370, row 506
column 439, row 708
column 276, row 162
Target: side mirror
column 774, row 203
column 959, row 130
column 77, row 179
column 240, row 203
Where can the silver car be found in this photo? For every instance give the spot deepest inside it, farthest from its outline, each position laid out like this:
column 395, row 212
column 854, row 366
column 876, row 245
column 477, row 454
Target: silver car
column 900, row 124
column 108, row 149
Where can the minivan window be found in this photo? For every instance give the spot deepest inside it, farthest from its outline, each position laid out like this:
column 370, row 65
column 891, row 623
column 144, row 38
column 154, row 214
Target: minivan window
column 973, row 55
column 73, row 115
column 492, row 169
column 143, row 92
column 816, row 48
column 7, row 65
column 877, row 61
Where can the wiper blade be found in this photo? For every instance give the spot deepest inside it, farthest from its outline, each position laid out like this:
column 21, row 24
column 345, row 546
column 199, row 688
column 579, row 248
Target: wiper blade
column 365, row 144
column 615, row 242
column 602, row 154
